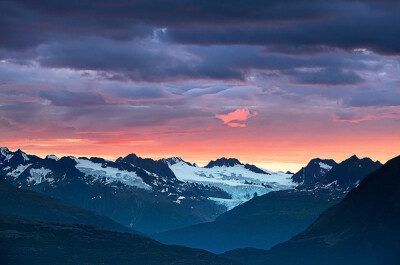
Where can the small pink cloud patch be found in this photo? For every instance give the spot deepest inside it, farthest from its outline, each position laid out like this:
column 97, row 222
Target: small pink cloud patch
column 237, row 117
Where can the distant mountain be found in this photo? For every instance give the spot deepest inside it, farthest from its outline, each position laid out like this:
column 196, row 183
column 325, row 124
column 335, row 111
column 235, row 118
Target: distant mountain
column 31, row 205
column 143, row 194
column 266, row 220
column 223, row 162
column 314, row 171
column 24, row 241
column 349, row 173
column 241, row 182
column 231, row 162
column 364, row 228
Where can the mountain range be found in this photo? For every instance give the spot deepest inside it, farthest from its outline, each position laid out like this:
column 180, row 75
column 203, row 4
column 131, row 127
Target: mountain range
column 43, row 221
column 275, row 217
column 364, row 228
column 147, row 195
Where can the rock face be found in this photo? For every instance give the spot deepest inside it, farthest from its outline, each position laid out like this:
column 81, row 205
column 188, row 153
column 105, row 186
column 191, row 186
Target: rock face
column 364, row 228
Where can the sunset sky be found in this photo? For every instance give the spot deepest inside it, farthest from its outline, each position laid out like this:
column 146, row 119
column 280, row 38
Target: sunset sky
column 273, row 83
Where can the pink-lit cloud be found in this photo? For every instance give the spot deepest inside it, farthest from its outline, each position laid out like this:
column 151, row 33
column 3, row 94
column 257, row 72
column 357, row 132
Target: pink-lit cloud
column 236, row 118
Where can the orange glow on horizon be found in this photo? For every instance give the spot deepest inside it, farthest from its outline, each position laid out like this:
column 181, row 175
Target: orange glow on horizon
column 275, row 154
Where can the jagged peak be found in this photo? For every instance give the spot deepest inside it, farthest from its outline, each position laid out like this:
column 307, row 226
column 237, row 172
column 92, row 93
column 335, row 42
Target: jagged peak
column 318, row 160
column 131, row 156
column 223, row 161
column 4, row 149
column 174, row 160
column 54, row 157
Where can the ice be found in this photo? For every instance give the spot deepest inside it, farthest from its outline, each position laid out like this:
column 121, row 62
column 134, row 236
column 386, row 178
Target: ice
column 111, row 174
column 6, row 153
column 325, row 166
column 240, row 183
column 18, row 171
column 39, row 175
column 52, row 157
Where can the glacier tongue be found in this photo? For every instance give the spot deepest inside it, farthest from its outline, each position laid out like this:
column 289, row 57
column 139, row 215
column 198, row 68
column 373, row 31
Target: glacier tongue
column 240, row 183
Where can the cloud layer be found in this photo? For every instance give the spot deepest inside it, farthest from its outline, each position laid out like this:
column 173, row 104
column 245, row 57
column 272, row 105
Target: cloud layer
column 159, row 76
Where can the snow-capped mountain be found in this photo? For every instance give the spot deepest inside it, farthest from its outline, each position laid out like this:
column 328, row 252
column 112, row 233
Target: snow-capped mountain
column 267, row 220
column 241, row 181
column 338, row 178
column 314, row 170
column 145, row 194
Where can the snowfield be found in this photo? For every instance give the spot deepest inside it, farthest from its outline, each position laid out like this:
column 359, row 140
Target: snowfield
column 111, row 174
column 240, row 183
column 39, row 175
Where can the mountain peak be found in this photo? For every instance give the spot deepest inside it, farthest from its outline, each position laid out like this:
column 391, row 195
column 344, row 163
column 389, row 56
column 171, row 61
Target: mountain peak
column 5, row 153
column 314, row 171
column 353, row 157
column 174, row 160
column 131, row 158
column 221, row 162
column 54, row 157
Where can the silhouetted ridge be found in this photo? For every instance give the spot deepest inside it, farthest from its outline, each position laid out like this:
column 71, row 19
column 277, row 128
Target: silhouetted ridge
column 223, row 162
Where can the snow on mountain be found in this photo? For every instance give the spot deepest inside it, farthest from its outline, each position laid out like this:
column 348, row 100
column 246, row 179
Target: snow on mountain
column 110, row 173
column 6, row 153
column 325, row 166
column 39, row 175
column 174, row 160
column 54, row 157
column 18, row 171
column 238, row 181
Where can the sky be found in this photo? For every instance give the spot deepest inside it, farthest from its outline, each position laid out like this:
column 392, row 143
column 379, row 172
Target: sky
column 273, row 83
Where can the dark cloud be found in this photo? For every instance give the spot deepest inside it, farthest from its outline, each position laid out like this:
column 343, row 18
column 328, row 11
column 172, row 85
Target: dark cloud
column 153, row 62
column 129, row 61
column 72, row 99
column 352, row 25
column 276, row 24
column 327, row 76
column 141, row 92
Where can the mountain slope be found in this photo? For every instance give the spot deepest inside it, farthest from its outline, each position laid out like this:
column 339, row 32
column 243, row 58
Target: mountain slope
column 266, row 220
column 31, row 205
column 364, row 228
column 25, row 241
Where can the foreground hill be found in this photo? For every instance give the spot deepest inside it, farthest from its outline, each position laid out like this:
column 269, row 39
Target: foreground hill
column 364, row 228
column 267, row 220
column 25, row 241
column 31, row 205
